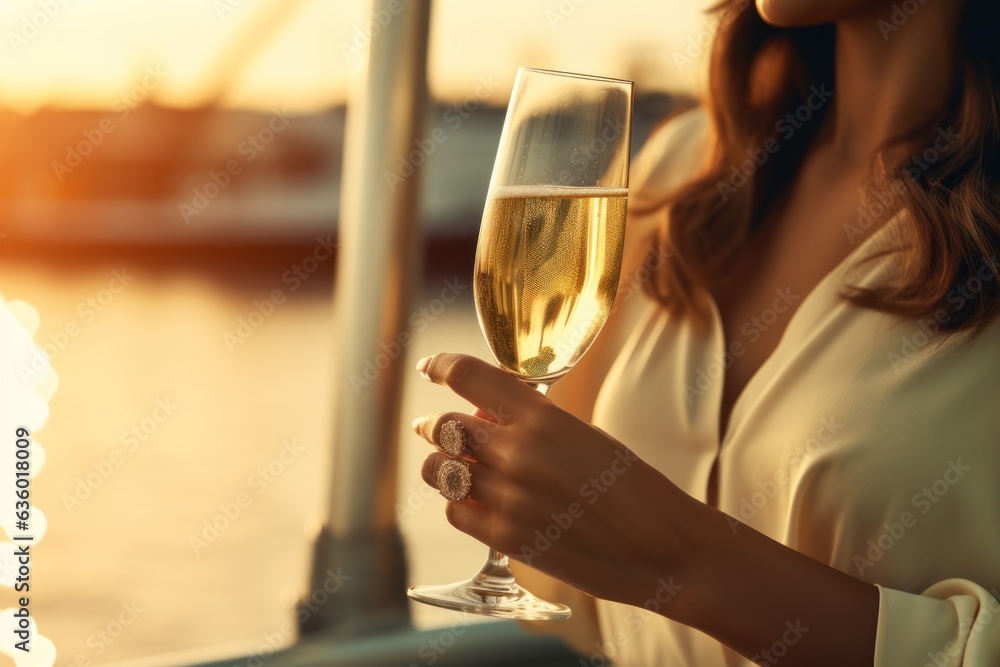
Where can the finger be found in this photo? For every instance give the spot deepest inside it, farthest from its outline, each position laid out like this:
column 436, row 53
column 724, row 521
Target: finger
column 487, row 487
column 479, row 521
column 450, row 477
column 458, row 434
column 489, row 388
column 451, row 431
column 488, row 416
column 475, row 520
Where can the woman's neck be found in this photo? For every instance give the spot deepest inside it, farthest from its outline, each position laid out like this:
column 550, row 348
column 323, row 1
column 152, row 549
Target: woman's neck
column 894, row 72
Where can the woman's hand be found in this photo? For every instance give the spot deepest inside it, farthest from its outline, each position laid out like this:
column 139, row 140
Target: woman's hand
column 554, row 492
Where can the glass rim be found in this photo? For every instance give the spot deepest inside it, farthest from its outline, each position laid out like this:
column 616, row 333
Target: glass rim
column 576, row 75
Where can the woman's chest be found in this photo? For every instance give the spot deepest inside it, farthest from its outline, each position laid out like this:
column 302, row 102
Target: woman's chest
column 782, row 265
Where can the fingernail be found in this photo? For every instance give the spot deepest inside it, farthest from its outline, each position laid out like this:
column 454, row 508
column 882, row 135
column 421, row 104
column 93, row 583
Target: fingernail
column 417, row 423
column 422, row 367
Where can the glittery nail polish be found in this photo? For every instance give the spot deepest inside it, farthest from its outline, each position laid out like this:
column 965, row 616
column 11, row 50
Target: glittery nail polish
column 454, row 479
column 451, row 437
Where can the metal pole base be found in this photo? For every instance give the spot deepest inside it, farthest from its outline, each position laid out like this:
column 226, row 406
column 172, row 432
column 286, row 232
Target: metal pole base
column 357, row 585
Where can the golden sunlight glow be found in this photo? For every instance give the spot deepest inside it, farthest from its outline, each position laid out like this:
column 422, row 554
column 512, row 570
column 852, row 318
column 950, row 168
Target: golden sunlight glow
column 296, row 53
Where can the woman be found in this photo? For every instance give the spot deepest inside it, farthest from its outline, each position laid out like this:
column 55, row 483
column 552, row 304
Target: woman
column 806, row 401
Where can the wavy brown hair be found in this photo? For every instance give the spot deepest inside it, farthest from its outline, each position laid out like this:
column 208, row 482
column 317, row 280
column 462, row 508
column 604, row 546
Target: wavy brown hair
column 759, row 73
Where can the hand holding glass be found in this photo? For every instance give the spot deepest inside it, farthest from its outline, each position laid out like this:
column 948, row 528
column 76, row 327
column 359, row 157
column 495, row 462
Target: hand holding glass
column 547, row 263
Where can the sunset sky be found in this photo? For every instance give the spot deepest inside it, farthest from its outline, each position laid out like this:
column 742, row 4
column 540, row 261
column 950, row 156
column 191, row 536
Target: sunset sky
column 262, row 53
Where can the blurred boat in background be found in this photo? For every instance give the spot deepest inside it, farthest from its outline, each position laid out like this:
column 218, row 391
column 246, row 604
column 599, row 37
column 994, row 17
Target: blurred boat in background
column 150, row 178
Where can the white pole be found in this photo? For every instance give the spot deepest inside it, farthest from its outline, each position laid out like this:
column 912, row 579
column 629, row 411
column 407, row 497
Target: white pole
column 376, row 274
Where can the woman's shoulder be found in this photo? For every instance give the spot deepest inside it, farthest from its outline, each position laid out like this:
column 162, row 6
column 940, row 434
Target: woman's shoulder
column 673, row 154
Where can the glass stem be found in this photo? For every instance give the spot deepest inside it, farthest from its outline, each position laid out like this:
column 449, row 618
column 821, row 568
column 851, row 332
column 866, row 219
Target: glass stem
column 496, row 572
column 542, row 389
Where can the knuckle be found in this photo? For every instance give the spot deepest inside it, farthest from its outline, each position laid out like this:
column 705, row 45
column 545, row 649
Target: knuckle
column 478, row 437
column 460, row 372
column 546, row 423
column 507, row 538
column 503, row 502
column 452, row 511
column 429, row 469
column 499, row 415
column 536, row 422
column 513, row 502
column 505, row 459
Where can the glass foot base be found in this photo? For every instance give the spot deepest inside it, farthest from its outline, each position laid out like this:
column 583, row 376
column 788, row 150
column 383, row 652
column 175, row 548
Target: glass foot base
column 480, row 597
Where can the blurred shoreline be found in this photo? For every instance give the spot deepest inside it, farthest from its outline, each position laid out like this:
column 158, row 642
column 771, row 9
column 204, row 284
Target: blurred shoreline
column 126, row 538
column 225, row 181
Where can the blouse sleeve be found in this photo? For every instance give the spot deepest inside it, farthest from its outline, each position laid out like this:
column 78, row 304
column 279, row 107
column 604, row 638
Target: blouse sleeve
column 954, row 623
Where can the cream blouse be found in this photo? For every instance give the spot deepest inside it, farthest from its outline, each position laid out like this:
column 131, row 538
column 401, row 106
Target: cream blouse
column 868, row 443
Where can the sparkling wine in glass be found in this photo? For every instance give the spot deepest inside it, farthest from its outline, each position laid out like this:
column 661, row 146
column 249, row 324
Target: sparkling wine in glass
column 547, row 263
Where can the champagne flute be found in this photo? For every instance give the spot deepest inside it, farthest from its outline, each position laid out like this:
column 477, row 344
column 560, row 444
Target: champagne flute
column 547, row 263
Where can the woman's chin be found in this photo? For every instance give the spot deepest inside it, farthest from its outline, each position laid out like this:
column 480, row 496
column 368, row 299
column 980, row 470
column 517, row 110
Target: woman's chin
column 786, row 13
column 801, row 13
